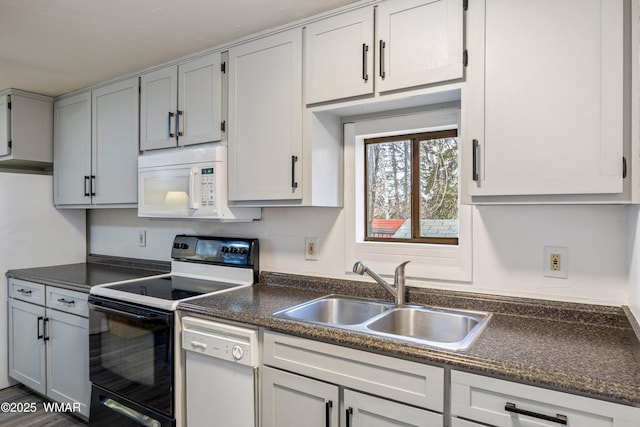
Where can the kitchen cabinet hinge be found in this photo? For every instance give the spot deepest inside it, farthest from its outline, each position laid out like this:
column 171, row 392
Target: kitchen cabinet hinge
column 223, row 67
column 9, row 105
column 10, row 144
column 465, row 5
column 223, row 126
column 624, row 167
column 465, row 57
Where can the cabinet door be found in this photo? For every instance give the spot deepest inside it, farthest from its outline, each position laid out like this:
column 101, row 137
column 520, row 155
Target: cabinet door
column 72, row 150
column 363, row 410
column 339, row 55
column 5, row 125
column 265, row 118
column 158, row 94
column 290, row 400
column 545, row 103
column 200, row 100
column 115, row 143
column 420, row 42
column 68, row 359
column 26, row 344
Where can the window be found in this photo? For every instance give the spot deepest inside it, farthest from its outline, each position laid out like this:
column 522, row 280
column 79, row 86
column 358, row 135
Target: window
column 429, row 261
column 411, row 188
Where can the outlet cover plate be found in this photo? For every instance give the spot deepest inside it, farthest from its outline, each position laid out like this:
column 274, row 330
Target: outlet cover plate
column 561, row 257
column 311, row 248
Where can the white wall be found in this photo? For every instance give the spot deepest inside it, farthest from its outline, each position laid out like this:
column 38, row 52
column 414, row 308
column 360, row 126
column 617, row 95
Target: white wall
column 33, row 234
column 507, row 246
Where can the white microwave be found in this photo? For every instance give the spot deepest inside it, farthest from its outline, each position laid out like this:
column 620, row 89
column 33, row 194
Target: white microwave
column 187, row 183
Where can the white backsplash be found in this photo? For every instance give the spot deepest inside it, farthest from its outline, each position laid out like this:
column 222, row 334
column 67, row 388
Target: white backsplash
column 508, row 246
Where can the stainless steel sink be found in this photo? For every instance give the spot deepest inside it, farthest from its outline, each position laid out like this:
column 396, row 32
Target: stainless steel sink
column 444, row 328
column 335, row 310
column 438, row 327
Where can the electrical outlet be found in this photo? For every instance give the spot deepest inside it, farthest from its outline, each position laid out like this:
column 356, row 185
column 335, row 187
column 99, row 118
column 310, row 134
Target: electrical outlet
column 142, row 238
column 311, row 248
column 555, row 260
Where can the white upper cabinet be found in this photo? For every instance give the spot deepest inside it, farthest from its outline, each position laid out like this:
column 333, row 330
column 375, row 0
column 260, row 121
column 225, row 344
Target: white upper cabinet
column 545, row 101
column 265, row 118
column 96, row 147
column 419, row 42
column 182, row 104
column 114, row 144
column 339, row 54
column 72, row 150
column 26, row 130
column 158, row 102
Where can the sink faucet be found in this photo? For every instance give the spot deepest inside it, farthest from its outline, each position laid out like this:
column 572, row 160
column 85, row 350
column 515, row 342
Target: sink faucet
column 398, row 287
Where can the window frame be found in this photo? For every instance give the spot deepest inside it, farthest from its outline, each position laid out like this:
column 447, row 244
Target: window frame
column 415, row 139
column 431, row 264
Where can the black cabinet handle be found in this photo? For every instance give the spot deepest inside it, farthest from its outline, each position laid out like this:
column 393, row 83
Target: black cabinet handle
column 40, row 335
column 349, row 412
column 180, row 113
column 171, row 134
column 382, row 46
column 93, row 185
column 511, row 407
column 294, row 183
column 44, row 329
column 25, row 292
column 365, row 74
column 327, row 412
column 476, row 146
column 67, row 302
column 87, row 193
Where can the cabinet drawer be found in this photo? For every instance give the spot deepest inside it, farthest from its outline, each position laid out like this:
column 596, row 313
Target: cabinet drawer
column 68, row 301
column 408, row 382
column 503, row 403
column 26, row 291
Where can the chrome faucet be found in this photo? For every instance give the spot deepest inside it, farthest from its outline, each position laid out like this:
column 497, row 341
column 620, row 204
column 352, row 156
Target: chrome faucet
column 398, row 287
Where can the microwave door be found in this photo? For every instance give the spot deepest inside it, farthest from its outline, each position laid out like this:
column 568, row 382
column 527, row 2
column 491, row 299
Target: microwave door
column 165, row 192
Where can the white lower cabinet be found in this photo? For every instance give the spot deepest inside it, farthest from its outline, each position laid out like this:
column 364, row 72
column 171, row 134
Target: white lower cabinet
column 506, row 404
column 363, row 410
column 49, row 348
column 311, row 383
column 293, row 400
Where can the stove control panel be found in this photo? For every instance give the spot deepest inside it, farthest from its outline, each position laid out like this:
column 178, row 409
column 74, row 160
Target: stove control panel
column 216, row 250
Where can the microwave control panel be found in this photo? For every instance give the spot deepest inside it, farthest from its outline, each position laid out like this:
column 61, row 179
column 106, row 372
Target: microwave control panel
column 207, row 187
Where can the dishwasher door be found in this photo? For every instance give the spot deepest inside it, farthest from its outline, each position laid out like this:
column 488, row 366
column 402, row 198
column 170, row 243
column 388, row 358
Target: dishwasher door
column 221, row 366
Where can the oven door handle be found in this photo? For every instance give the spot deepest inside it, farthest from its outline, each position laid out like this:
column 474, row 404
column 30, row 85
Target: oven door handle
column 149, row 318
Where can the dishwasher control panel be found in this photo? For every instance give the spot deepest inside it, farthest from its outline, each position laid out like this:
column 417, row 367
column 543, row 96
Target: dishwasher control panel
column 220, row 341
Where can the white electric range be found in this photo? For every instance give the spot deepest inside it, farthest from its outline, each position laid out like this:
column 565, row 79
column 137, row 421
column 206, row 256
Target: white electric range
column 132, row 328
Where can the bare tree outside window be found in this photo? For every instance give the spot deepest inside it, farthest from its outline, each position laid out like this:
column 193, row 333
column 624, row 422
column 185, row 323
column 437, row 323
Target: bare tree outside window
column 412, row 177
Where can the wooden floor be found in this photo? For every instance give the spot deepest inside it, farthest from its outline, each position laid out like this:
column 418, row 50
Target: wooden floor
column 14, row 398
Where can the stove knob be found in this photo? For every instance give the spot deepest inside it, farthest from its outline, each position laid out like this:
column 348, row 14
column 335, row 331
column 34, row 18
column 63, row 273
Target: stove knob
column 243, row 251
column 224, row 249
column 237, row 352
column 234, row 250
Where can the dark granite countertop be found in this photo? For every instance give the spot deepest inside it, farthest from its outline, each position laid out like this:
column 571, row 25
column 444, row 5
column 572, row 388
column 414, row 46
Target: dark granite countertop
column 578, row 348
column 98, row 269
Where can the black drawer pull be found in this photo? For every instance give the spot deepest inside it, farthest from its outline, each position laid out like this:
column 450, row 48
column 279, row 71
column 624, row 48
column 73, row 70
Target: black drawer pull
column 560, row 419
column 67, row 302
column 24, row 292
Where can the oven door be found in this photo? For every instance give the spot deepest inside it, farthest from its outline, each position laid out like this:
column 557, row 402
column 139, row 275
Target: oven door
column 130, row 352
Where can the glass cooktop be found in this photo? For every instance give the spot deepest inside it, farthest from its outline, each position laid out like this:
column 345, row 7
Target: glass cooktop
column 172, row 288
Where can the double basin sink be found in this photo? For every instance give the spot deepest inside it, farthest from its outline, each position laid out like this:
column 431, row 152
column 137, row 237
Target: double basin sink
column 438, row 327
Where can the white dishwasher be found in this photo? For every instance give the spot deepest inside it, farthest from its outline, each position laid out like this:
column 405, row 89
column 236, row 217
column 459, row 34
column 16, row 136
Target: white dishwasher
column 221, row 373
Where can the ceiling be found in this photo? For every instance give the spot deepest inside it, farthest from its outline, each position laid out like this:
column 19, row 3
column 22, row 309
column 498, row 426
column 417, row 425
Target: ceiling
column 53, row 47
